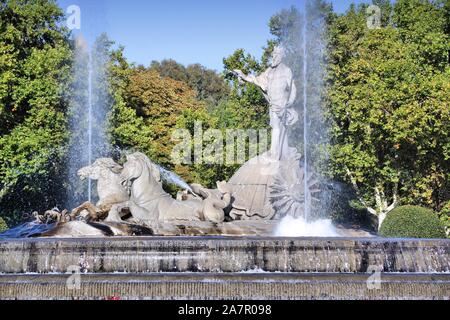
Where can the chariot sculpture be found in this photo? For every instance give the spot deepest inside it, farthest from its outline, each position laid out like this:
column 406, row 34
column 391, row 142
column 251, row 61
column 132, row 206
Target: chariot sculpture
column 268, row 187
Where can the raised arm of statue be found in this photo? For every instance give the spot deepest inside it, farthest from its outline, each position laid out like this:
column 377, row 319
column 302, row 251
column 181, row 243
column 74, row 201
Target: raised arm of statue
column 260, row 81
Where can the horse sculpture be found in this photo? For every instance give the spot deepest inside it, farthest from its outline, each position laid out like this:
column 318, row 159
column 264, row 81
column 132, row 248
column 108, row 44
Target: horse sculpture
column 132, row 201
column 110, row 190
column 150, row 203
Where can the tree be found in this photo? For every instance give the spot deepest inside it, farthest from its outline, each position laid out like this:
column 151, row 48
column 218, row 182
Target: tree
column 246, row 108
column 148, row 108
column 35, row 60
column 90, row 87
column 209, row 86
column 387, row 98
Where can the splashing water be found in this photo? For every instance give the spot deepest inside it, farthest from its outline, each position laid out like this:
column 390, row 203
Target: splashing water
column 90, row 122
column 90, row 102
column 171, row 177
column 304, row 36
column 305, row 118
column 291, row 227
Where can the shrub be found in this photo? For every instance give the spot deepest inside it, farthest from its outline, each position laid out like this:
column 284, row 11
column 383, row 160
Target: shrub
column 3, row 225
column 412, row 222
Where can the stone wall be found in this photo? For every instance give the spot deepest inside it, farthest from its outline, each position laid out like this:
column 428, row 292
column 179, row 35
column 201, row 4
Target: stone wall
column 225, row 268
column 224, row 255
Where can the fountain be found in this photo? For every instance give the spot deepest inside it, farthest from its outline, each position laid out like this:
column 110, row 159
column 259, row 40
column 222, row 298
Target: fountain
column 261, row 235
column 307, row 197
column 90, row 122
column 172, row 178
column 88, row 113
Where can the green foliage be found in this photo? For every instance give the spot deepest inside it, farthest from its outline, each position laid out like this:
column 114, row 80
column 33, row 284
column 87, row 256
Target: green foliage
column 412, row 222
column 388, row 98
column 3, row 225
column 35, row 60
column 208, row 85
column 246, row 106
column 345, row 209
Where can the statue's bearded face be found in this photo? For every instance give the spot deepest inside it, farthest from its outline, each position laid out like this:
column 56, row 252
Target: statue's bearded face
column 277, row 56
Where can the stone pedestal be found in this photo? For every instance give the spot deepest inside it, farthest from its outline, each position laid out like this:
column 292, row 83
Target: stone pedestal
column 225, row 267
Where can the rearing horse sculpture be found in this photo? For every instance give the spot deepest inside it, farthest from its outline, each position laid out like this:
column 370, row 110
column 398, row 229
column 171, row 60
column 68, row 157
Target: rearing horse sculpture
column 110, row 191
column 149, row 202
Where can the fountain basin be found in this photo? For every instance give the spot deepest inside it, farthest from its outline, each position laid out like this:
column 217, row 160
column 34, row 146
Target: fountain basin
column 204, row 268
column 224, row 254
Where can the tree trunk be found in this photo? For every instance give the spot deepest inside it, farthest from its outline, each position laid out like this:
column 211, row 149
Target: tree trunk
column 381, row 201
column 381, row 218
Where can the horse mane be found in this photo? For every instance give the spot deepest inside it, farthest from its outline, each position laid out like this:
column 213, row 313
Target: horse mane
column 109, row 164
column 154, row 171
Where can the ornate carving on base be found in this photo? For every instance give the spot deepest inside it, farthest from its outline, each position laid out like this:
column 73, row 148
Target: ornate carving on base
column 287, row 192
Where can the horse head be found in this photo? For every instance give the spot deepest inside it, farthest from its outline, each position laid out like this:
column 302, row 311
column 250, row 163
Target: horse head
column 137, row 164
column 100, row 168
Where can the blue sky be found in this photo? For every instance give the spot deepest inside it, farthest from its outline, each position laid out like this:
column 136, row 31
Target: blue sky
column 189, row 31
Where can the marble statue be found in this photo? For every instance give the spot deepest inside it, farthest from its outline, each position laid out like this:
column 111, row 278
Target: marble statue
column 258, row 194
column 150, row 204
column 278, row 87
column 215, row 200
column 110, row 190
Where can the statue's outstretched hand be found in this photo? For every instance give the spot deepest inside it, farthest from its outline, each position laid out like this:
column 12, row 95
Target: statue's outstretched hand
column 238, row 73
column 243, row 78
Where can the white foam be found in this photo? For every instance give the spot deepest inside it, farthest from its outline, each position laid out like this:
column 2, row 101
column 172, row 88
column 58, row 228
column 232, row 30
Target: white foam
column 292, row 227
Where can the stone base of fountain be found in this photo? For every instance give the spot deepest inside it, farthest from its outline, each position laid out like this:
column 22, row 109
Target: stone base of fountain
column 225, row 267
column 245, row 228
column 201, row 286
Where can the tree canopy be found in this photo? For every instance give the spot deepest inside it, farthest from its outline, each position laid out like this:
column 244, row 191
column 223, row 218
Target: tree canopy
column 35, row 62
column 388, row 97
